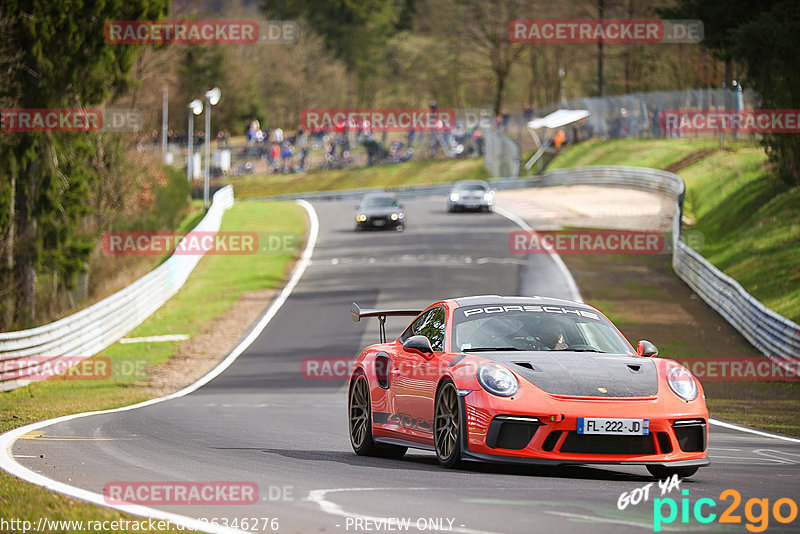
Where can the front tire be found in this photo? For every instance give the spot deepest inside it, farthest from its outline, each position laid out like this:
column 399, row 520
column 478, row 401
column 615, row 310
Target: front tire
column 447, row 429
column 360, row 423
column 662, row 471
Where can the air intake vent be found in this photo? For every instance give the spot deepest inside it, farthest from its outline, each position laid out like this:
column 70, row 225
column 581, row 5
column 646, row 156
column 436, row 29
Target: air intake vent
column 509, row 432
column 382, row 364
column 663, row 442
column 634, row 367
column 602, row 444
column 550, row 443
column 526, row 365
column 691, row 434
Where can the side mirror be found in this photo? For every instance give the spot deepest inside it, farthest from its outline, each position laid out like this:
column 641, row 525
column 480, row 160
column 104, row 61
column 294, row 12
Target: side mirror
column 419, row 344
column 646, row 349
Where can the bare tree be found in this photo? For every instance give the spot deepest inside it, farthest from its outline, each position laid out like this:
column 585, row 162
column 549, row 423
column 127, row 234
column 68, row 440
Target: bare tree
column 485, row 32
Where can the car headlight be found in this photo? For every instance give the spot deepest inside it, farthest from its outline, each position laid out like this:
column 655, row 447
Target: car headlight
column 361, row 217
column 394, row 216
column 454, row 197
column 682, row 382
column 488, row 196
column 497, row 380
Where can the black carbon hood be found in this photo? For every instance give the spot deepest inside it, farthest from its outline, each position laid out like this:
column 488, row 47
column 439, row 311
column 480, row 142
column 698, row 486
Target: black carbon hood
column 584, row 374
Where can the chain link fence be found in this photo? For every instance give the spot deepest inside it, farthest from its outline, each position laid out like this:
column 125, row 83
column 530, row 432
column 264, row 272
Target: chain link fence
column 638, row 114
column 634, row 115
column 502, row 155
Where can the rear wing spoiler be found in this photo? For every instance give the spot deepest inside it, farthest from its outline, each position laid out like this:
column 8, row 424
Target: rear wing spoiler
column 357, row 313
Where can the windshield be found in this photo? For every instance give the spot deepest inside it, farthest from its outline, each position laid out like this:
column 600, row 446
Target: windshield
column 535, row 328
column 471, row 187
column 379, row 202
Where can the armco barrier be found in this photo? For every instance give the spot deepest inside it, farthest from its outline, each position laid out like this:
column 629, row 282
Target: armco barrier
column 403, row 193
column 772, row 334
column 92, row 329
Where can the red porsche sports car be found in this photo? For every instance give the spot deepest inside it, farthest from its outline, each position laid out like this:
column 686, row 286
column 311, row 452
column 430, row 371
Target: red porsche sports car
column 524, row 379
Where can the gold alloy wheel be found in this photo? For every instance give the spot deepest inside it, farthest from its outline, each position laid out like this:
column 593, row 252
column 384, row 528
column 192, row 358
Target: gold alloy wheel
column 446, row 424
column 359, row 411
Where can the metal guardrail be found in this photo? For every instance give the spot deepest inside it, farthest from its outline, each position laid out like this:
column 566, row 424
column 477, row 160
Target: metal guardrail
column 775, row 336
column 403, row 193
column 92, row 329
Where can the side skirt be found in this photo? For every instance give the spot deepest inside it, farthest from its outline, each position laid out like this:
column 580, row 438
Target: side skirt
column 403, row 443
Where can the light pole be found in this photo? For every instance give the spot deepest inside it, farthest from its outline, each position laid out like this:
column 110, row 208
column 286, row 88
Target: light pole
column 164, row 120
column 212, row 97
column 195, row 108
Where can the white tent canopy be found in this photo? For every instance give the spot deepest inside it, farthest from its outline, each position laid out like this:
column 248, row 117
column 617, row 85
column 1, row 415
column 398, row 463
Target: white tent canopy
column 550, row 123
column 559, row 118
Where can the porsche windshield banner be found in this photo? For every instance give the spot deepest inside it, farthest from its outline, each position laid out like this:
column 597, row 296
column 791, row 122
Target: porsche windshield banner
column 560, row 310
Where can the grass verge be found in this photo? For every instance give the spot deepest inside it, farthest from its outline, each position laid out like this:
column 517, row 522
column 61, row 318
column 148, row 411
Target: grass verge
column 216, row 284
column 750, row 223
column 396, row 175
column 654, row 153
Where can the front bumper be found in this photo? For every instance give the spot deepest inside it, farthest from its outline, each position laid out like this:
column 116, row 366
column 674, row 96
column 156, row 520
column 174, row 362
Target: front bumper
column 496, row 432
column 379, row 223
column 470, row 204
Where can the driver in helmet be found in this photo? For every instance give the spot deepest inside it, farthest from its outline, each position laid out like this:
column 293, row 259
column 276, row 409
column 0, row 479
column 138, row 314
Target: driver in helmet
column 551, row 335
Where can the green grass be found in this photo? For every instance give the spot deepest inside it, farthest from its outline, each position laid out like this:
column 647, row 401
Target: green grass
column 218, row 281
column 750, row 225
column 654, row 153
column 216, row 284
column 397, row 175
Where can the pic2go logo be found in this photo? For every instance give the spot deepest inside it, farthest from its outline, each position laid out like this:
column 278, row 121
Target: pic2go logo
column 757, row 511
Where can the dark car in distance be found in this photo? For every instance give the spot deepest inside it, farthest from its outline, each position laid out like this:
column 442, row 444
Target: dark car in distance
column 380, row 211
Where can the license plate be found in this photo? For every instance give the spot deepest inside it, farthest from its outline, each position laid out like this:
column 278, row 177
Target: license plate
column 615, row 426
column 379, row 223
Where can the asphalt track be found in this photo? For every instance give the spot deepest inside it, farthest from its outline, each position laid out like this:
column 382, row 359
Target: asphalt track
column 261, row 421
